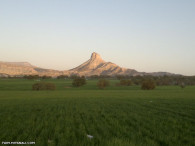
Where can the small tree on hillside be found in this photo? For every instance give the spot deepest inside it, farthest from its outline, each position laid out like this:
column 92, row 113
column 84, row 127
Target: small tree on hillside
column 79, row 81
column 102, row 83
column 148, row 85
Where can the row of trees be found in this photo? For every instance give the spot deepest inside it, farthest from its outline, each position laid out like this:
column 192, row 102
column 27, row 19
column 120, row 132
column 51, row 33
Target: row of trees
column 36, row 77
column 77, row 82
column 136, row 80
column 103, row 83
column 147, row 84
column 161, row 80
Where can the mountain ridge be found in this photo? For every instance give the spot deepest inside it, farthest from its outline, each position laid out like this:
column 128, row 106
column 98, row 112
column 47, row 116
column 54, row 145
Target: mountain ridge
column 94, row 66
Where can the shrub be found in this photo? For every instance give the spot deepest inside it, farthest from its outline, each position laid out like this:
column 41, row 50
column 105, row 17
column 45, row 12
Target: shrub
column 102, row 83
column 148, row 85
column 43, row 86
column 50, row 86
column 79, row 81
column 125, row 82
column 182, row 85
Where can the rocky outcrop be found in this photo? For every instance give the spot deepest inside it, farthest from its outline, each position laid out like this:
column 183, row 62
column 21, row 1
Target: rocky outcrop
column 97, row 66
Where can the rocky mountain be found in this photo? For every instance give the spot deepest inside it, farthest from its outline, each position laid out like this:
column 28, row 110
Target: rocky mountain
column 97, row 66
column 94, row 66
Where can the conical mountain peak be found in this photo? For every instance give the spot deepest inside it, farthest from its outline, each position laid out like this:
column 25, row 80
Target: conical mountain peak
column 91, row 64
column 97, row 66
column 95, row 56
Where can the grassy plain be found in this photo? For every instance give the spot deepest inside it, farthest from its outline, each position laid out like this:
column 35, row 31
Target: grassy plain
column 116, row 116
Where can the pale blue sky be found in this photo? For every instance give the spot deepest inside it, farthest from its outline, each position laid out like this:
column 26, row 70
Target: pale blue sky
column 146, row 35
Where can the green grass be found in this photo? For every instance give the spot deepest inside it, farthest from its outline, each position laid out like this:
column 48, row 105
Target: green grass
column 117, row 116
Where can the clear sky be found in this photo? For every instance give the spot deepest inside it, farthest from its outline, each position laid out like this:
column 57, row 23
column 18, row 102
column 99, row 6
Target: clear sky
column 146, row 35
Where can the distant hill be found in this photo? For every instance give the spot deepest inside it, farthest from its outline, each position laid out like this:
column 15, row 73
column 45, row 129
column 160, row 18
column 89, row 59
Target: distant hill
column 17, row 63
column 94, row 66
column 24, row 68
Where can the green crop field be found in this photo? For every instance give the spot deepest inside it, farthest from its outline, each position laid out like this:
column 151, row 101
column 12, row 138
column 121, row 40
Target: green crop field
column 116, row 116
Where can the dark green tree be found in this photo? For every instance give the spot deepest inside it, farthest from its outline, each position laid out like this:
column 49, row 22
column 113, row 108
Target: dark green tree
column 43, row 86
column 79, row 81
column 125, row 82
column 102, row 83
column 148, row 84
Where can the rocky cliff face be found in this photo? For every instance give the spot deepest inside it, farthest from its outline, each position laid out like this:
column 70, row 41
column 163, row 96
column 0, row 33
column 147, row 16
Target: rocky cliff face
column 97, row 66
column 93, row 63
